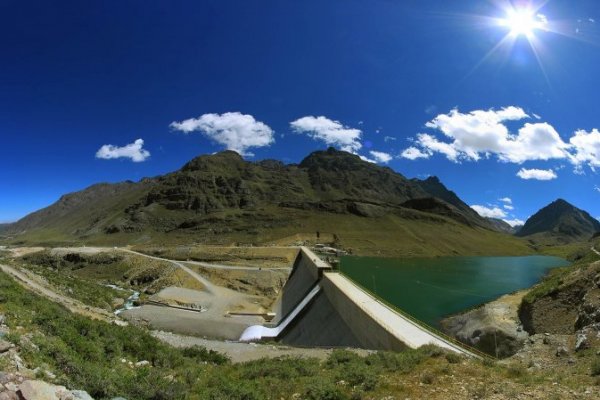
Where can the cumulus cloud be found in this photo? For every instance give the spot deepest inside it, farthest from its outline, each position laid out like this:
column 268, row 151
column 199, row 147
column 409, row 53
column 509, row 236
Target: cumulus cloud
column 537, row 174
column 506, row 200
column 482, row 133
column 380, row 156
column 413, row 153
column 236, row 131
column 586, row 148
column 134, row 151
column 333, row 133
column 489, row 212
column 508, row 207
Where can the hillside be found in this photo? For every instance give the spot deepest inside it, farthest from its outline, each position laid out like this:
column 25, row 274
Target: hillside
column 224, row 199
column 562, row 222
column 503, row 226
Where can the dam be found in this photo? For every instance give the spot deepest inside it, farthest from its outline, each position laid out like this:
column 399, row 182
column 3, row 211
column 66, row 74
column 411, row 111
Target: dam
column 320, row 307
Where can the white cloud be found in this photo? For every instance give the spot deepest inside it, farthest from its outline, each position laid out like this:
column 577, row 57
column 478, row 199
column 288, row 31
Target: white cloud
column 388, row 138
column 538, row 174
column 331, row 132
column 234, row 130
column 367, row 159
column 508, row 207
column 482, row 133
column 586, row 148
column 506, row 200
column 413, row 153
column 514, row 222
column 597, row 188
column 489, row 212
column 380, row 156
column 133, row 151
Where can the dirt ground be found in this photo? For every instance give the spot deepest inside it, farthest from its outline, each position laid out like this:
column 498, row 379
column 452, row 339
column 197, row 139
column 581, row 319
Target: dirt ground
column 241, row 352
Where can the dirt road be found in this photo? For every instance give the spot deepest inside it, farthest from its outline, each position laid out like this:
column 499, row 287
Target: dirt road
column 34, row 283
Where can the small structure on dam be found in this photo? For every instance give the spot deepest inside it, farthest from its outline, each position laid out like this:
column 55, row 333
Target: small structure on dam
column 319, row 307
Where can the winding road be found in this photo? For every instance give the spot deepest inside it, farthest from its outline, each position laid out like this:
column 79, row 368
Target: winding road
column 75, row 306
column 210, row 288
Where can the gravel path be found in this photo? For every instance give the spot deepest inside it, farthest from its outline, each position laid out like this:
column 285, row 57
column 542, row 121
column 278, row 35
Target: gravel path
column 241, row 352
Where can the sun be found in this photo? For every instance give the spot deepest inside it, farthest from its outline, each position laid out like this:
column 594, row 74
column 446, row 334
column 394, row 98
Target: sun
column 523, row 22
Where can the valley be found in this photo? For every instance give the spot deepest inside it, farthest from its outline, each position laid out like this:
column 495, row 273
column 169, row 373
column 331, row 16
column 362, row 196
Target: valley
column 203, row 254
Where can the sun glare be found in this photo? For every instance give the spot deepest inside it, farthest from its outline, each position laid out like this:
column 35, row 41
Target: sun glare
column 523, row 22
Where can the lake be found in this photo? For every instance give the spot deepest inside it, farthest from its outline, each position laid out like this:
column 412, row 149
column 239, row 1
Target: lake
column 433, row 288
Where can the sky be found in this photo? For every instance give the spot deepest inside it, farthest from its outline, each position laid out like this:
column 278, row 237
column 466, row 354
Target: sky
column 499, row 100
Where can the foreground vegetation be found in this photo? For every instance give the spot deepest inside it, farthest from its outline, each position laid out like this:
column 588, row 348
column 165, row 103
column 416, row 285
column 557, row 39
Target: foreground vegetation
column 96, row 356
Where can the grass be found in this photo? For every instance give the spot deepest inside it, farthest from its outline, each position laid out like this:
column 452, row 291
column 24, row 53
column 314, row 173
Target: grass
column 405, row 233
column 582, row 257
column 84, row 276
column 88, row 354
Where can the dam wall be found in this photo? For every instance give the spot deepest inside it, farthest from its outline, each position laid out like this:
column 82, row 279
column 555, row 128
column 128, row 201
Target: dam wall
column 319, row 307
column 306, row 273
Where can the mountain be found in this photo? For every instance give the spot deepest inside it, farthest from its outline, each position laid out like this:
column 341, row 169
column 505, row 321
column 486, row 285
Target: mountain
column 503, row 226
column 224, row 199
column 561, row 221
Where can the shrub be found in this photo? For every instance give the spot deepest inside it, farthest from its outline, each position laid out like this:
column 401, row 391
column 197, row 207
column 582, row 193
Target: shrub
column 320, row 390
column 453, row 358
column 595, row 367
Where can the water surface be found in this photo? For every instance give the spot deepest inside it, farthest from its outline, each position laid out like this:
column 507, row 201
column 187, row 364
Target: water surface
column 432, row 288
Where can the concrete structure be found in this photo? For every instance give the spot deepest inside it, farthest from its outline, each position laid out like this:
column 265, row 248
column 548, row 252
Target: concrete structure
column 320, row 307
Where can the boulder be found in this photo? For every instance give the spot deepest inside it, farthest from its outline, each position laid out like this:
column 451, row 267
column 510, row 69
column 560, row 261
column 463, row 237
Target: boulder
column 81, row 395
column 581, row 342
column 39, row 390
column 5, row 346
column 561, row 351
column 9, row 395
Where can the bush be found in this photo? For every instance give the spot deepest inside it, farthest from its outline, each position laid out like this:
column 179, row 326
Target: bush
column 402, row 362
column 284, row 368
column 341, row 356
column 595, row 367
column 453, row 358
column 320, row 390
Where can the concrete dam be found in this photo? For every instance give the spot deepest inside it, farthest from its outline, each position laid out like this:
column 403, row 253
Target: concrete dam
column 319, row 307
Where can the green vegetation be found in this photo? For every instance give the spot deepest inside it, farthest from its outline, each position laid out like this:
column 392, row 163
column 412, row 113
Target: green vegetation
column 595, row 367
column 84, row 276
column 89, row 354
column 582, row 257
column 224, row 200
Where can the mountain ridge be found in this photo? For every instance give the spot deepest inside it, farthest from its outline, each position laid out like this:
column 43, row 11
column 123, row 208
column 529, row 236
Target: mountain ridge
column 562, row 221
column 225, row 199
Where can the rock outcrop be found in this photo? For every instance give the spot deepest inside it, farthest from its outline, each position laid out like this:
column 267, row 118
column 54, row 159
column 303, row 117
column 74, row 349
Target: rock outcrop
column 493, row 328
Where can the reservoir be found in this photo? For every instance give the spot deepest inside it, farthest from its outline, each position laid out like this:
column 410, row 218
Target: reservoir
column 433, row 288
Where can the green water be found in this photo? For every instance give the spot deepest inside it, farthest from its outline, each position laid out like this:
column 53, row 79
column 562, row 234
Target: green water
column 433, row 288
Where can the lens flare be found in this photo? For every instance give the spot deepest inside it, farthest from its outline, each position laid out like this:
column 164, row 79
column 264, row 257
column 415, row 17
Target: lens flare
column 523, row 22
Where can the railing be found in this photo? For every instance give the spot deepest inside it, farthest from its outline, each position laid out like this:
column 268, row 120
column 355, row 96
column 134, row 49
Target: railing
column 420, row 323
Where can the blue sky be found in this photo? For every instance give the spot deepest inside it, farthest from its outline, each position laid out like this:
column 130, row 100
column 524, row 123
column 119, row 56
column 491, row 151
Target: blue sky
column 81, row 82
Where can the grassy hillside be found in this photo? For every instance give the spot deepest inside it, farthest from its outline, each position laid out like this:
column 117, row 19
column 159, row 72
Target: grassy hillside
column 404, row 232
column 88, row 354
column 222, row 199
